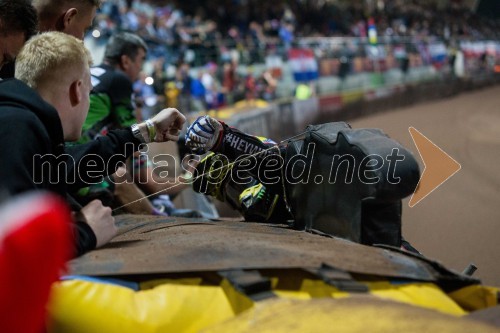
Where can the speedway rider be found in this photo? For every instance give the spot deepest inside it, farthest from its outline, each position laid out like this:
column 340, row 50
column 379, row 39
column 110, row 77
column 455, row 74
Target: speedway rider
column 241, row 169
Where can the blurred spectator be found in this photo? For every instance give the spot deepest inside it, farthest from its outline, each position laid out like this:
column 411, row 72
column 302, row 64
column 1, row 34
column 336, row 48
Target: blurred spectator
column 345, row 58
column 159, row 77
column 304, row 90
column 183, row 82
column 250, row 85
column 401, row 54
column 172, row 93
column 197, row 94
column 265, row 86
column 229, row 80
column 211, row 85
column 145, row 98
column 286, row 35
column 257, row 41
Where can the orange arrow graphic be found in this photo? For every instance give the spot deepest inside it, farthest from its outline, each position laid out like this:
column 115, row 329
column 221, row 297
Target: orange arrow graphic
column 438, row 166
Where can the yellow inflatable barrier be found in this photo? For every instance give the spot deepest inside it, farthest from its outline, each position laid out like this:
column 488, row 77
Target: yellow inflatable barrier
column 190, row 305
column 78, row 306
column 476, row 297
column 349, row 315
column 425, row 295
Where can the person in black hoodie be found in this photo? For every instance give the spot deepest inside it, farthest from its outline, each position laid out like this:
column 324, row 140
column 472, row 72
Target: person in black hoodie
column 45, row 106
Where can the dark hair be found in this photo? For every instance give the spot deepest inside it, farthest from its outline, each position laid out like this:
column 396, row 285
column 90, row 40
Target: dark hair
column 124, row 43
column 18, row 16
column 51, row 9
column 95, row 3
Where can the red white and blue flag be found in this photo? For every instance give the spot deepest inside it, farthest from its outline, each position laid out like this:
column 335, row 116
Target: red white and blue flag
column 303, row 64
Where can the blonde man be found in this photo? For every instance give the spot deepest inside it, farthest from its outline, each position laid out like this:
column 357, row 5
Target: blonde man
column 45, row 106
column 73, row 17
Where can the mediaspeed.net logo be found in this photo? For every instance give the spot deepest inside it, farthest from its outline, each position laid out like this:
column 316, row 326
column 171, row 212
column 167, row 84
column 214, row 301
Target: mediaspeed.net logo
column 266, row 166
column 271, row 169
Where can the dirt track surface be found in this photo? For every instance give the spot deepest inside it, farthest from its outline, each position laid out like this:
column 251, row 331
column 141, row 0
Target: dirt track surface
column 459, row 222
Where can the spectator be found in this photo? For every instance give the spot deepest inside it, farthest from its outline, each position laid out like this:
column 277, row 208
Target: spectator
column 345, row 58
column 145, row 98
column 197, row 94
column 250, row 85
column 159, row 77
column 286, row 35
column 304, row 90
column 69, row 16
column 111, row 107
column 266, row 86
column 51, row 95
column 18, row 22
column 183, row 82
column 229, row 83
column 211, row 85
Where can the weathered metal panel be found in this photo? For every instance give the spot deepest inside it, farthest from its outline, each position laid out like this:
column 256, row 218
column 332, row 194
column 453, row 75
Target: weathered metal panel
column 148, row 245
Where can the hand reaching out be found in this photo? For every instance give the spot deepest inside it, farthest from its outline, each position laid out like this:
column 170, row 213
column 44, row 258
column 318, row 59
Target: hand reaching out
column 168, row 124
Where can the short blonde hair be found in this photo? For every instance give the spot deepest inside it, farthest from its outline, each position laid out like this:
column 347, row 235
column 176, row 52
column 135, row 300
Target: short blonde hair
column 50, row 56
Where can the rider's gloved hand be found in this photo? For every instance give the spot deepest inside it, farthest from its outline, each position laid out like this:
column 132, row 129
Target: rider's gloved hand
column 203, row 134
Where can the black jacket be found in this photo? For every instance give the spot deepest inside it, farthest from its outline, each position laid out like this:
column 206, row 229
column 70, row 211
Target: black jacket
column 34, row 156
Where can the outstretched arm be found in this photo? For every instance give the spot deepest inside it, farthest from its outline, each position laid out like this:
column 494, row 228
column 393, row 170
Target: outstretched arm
column 101, row 157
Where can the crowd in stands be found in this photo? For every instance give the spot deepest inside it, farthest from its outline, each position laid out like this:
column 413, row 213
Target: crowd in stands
column 424, row 19
column 212, row 32
column 219, row 37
